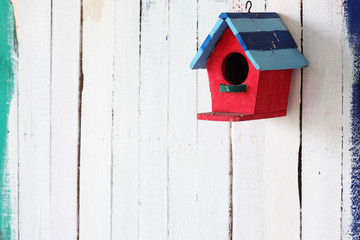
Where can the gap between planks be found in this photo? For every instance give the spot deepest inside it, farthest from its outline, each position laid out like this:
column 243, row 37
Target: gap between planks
column 231, row 179
column 300, row 116
column 81, row 86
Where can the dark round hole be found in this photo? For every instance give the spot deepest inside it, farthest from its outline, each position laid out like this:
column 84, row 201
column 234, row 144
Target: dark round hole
column 235, row 68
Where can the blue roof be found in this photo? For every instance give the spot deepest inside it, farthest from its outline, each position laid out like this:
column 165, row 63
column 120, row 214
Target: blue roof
column 263, row 36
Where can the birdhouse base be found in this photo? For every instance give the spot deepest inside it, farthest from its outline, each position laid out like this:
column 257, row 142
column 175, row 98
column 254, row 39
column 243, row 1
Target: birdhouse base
column 237, row 117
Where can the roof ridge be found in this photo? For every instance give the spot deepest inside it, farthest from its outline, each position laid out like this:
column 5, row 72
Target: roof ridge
column 225, row 15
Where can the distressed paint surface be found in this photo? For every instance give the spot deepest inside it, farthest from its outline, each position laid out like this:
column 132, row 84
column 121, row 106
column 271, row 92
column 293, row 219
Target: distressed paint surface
column 168, row 174
column 352, row 22
column 46, row 117
column 8, row 51
column 93, row 9
column 322, row 121
column 96, row 123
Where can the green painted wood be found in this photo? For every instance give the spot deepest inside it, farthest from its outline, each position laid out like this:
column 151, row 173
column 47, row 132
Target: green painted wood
column 8, row 53
column 233, row 88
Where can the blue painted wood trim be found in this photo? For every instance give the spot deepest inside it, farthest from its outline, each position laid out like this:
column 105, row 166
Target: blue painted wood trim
column 255, row 25
column 352, row 22
column 267, row 40
column 249, row 15
column 277, row 59
column 240, row 40
column 203, row 54
column 206, row 42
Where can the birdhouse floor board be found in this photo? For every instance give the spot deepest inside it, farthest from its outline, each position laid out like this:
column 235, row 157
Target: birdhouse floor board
column 237, row 117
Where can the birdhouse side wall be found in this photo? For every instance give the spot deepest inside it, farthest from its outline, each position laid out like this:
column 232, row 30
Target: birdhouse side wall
column 273, row 91
column 241, row 102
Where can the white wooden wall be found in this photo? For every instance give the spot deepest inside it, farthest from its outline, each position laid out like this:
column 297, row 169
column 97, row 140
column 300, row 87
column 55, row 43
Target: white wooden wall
column 109, row 145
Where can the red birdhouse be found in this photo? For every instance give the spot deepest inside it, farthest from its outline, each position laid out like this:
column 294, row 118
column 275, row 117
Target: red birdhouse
column 249, row 58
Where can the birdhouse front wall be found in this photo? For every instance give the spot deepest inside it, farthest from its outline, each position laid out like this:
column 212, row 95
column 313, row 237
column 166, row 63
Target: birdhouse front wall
column 239, row 102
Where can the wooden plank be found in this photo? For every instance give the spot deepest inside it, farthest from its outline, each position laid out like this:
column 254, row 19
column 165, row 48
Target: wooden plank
column 96, row 120
column 8, row 124
column 125, row 201
column 182, row 141
column 248, row 183
column 213, row 146
column 248, row 144
column 266, row 153
column 322, row 120
column 153, row 121
column 282, row 141
column 34, row 119
column 214, row 220
column 286, row 210
column 64, row 117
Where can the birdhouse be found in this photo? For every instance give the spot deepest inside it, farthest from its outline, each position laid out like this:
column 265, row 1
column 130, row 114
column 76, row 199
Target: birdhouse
column 249, row 58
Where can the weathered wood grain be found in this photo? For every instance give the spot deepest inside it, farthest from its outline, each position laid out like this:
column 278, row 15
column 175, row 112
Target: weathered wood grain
column 153, row 121
column 34, row 120
column 149, row 169
column 213, row 164
column 65, row 67
column 322, row 121
column 182, row 132
column 125, row 146
column 96, row 120
column 248, row 186
column 282, row 141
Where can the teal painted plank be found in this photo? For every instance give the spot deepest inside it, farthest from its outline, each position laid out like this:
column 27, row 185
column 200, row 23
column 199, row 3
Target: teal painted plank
column 238, row 25
column 201, row 57
column 8, row 53
column 277, row 59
